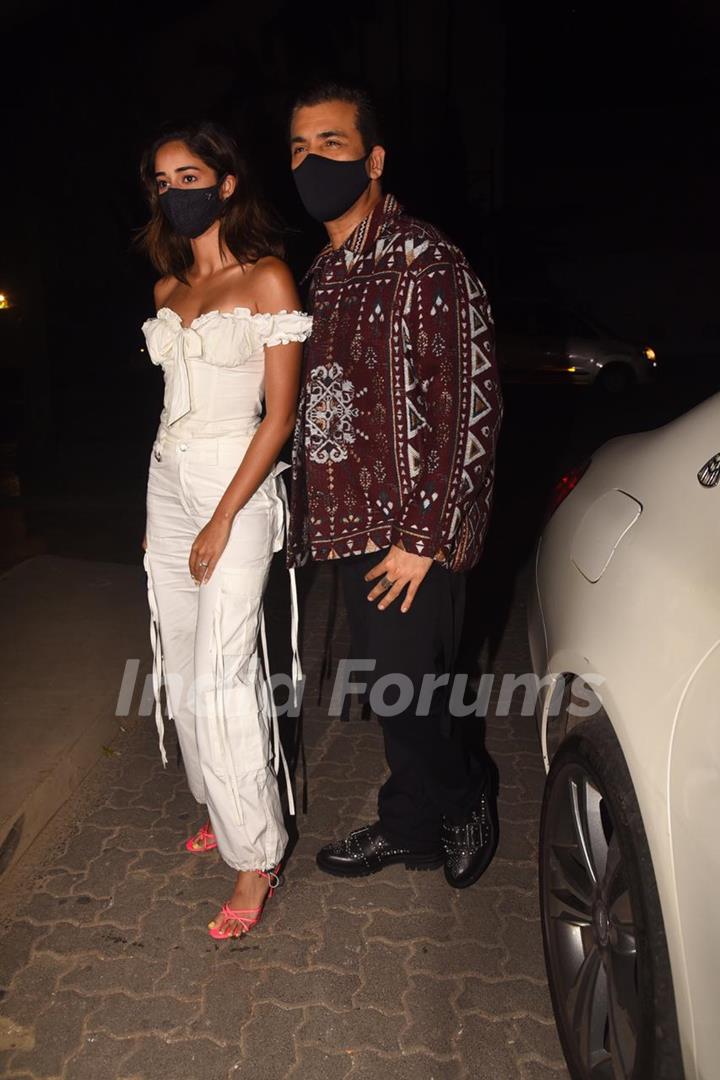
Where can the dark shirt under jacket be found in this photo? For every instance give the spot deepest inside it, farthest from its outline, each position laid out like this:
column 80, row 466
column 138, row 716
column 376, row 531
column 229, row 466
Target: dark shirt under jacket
column 400, row 405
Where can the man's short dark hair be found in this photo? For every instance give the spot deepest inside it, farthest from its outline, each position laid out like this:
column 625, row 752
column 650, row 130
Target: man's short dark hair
column 366, row 118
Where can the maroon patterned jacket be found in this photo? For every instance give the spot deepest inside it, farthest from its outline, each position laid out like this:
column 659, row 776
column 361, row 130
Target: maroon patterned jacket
column 400, row 404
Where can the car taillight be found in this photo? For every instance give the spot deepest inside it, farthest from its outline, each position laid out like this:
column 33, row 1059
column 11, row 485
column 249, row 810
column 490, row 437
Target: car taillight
column 564, row 486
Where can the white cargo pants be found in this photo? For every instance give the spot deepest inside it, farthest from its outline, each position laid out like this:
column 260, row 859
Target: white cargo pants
column 205, row 637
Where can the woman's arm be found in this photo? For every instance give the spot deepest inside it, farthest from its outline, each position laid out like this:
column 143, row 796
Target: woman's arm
column 161, row 290
column 274, row 291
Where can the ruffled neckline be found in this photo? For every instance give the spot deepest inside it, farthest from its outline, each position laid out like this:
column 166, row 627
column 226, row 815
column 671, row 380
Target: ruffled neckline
column 236, row 313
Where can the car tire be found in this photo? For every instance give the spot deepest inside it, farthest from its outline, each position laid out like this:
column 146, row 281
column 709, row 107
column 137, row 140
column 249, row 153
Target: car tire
column 616, row 379
column 603, row 935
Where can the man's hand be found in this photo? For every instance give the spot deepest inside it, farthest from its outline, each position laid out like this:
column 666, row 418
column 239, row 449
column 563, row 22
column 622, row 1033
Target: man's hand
column 398, row 569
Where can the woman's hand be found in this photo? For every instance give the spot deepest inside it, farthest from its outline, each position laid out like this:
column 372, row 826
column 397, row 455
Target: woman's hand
column 207, row 548
column 397, row 570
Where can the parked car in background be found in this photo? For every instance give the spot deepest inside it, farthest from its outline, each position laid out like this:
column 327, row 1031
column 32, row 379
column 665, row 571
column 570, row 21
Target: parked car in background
column 624, row 629
column 544, row 342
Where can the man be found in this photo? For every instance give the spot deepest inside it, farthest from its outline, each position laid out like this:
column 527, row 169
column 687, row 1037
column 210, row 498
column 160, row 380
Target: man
column 392, row 474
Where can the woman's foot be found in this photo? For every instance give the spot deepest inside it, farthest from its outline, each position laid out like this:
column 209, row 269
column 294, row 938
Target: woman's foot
column 251, row 890
column 203, row 840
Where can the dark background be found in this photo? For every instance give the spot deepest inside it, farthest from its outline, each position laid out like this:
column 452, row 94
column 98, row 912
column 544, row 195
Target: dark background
column 569, row 148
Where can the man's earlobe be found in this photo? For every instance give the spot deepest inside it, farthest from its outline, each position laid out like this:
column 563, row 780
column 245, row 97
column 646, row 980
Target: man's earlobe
column 377, row 162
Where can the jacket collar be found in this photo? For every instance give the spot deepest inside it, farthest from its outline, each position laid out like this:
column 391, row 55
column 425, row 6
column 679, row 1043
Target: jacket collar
column 363, row 235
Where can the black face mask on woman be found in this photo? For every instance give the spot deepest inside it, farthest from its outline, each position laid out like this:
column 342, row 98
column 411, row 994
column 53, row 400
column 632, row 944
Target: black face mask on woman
column 191, row 211
column 327, row 187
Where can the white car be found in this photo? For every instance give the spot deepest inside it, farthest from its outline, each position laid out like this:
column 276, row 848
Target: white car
column 624, row 628
column 539, row 341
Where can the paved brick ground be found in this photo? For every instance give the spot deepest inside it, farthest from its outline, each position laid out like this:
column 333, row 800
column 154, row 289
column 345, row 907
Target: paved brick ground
column 107, row 971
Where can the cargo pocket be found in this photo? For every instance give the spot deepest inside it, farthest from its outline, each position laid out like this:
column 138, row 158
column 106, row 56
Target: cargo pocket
column 203, row 484
column 237, row 619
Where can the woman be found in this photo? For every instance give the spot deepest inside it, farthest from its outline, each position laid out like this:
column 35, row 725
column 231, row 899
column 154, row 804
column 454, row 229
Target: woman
column 227, row 333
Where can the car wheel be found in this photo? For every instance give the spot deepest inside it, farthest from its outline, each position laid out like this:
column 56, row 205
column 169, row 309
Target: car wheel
column 616, row 378
column 605, row 948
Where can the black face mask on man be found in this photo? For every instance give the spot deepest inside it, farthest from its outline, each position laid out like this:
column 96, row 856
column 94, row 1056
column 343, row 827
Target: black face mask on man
column 191, row 211
column 327, row 187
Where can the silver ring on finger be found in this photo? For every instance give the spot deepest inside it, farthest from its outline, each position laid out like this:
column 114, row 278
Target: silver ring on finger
column 204, row 564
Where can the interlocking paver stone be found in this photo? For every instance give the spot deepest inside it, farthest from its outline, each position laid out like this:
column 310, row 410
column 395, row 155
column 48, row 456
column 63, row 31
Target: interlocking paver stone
column 347, row 1032
column 33, row 987
column 45, row 909
column 533, row 1038
column 82, row 847
column 16, row 949
column 526, row 958
column 487, row 1046
column 99, row 1058
column 341, row 942
column 316, row 986
column 414, row 926
column 123, row 1016
column 505, row 999
column 228, row 1004
column 369, row 1065
column 104, row 874
column 383, row 969
column 314, row 1064
column 58, row 1034
column 66, row 939
column 536, row 1070
column 157, row 1058
column 457, row 957
column 434, row 1020
column 268, row 1041
column 364, row 896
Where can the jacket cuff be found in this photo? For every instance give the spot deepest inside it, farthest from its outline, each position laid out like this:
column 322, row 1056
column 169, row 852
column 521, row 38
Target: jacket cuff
column 418, row 545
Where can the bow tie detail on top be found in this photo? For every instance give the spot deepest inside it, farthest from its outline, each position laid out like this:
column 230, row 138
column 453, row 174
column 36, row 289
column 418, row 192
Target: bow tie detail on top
column 172, row 347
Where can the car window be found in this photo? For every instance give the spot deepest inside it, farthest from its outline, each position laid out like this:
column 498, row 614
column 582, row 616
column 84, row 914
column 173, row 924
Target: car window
column 551, row 321
column 530, row 318
column 562, row 323
column 579, row 327
column 513, row 318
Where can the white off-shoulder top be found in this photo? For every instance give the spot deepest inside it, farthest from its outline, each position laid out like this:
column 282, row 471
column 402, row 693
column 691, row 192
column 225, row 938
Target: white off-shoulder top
column 214, row 369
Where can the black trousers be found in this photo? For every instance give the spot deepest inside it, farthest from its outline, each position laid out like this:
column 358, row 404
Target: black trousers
column 431, row 771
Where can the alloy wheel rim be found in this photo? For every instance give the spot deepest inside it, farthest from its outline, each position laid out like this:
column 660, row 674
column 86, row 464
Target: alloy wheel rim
column 590, row 928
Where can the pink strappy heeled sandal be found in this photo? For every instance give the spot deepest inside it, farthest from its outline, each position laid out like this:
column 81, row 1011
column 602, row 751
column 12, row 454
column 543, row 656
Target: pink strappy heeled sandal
column 247, row 917
column 204, row 836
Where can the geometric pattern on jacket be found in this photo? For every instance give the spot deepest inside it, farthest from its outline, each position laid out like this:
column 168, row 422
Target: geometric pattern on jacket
column 400, row 404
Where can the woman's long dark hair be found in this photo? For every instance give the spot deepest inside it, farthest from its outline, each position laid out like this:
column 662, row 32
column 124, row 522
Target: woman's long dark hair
column 248, row 227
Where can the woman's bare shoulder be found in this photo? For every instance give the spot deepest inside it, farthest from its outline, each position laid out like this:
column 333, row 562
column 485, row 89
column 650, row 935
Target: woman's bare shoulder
column 273, row 285
column 162, row 289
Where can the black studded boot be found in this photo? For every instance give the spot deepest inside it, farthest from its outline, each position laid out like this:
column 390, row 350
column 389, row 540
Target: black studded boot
column 469, row 847
column 367, row 850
